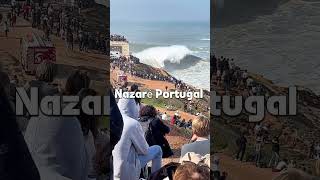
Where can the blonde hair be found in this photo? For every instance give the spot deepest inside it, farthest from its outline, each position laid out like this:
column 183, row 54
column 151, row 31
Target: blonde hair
column 201, row 126
column 293, row 174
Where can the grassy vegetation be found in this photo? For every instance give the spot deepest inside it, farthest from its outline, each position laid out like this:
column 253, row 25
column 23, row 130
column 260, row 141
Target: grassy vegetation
column 163, row 103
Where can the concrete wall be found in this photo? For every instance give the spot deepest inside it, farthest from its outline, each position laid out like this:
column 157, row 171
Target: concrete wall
column 124, row 47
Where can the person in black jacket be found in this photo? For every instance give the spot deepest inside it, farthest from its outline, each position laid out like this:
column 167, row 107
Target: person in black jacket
column 15, row 159
column 116, row 122
column 156, row 130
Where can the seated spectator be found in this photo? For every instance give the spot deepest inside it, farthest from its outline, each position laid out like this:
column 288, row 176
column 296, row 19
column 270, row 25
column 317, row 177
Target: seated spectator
column 56, row 143
column 281, row 166
column 182, row 123
column 155, row 130
column 124, row 109
column 132, row 152
column 200, row 143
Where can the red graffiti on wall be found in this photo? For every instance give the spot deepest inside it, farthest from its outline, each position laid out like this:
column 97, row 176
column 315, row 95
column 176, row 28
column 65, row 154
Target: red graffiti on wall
column 44, row 54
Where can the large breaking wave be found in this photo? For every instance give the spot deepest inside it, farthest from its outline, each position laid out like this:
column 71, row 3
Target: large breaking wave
column 160, row 56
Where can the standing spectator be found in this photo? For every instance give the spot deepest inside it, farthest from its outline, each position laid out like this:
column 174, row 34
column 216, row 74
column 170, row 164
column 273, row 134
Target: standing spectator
column 164, row 116
column 13, row 19
column 275, row 152
column 311, row 150
column 242, row 144
column 258, row 148
column 6, row 28
column 173, row 120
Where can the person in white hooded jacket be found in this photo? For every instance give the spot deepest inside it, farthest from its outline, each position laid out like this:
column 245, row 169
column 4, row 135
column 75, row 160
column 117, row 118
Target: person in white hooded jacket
column 132, row 152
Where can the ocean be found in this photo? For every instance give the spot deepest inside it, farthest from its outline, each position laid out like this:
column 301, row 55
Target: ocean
column 156, row 42
column 277, row 39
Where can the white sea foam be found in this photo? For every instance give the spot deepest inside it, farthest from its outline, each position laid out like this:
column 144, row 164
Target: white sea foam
column 156, row 56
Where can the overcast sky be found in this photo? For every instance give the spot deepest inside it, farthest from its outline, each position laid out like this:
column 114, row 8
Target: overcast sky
column 160, row 10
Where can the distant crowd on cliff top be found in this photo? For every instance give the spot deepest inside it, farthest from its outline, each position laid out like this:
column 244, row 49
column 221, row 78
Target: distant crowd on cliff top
column 127, row 65
column 228, row 76
column 116, row 37
column 63, row 22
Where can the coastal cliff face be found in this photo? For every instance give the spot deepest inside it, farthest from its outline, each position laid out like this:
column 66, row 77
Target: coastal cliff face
column 296, row 133
column 230, row 12
column 276, row 39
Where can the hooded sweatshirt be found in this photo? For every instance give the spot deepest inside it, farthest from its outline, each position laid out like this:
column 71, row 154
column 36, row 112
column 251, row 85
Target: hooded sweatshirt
column 57, row 147
column 132, row 143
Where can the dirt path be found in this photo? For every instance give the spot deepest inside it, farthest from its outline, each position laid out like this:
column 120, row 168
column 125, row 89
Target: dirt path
column 144, row 83
column 243, row 170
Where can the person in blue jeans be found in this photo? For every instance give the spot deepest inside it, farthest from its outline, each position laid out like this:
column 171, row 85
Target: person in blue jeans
column 154, row 154
column 132, row 152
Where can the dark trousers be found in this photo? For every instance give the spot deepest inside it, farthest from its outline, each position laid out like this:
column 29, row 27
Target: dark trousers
column 241, row 152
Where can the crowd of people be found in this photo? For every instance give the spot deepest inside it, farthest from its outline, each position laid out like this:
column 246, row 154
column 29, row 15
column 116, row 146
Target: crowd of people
column 64, row 22
column 227, row 75
column 176, row 120
column 116, row 37
column 76, row 147
column 262, row 137
column 144, row 140
column 127, row 65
